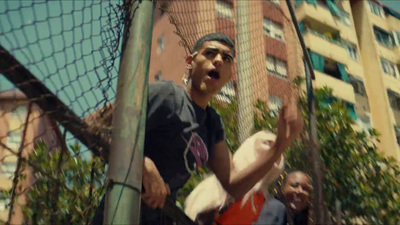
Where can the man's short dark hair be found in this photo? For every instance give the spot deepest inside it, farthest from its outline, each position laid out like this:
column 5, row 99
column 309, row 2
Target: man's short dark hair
column 213, row 37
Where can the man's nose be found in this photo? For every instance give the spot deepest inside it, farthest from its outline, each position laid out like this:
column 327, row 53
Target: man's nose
column 299, row 190
column 217, row 59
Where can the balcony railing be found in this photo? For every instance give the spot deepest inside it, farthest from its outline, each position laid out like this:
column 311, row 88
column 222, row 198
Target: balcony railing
column 313, row 32
column 333, row 8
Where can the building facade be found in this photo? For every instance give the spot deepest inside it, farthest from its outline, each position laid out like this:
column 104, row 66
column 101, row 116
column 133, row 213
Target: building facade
column 272, row 59
column 354, row 47
column 16, row 129
column 378, row 29
column 354, row 51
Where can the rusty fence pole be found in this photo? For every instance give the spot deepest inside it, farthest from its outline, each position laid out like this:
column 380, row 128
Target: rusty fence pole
column 129, row 119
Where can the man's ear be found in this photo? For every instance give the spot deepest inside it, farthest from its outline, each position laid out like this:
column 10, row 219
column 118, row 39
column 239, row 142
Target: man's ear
column 189, row 61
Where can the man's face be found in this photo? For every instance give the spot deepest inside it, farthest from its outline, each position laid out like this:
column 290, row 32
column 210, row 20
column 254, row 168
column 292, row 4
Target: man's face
column 212, row 67
column 297, row 191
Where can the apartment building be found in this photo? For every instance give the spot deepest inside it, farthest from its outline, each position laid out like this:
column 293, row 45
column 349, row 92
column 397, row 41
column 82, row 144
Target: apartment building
column 14, row 108
column 354, row 49
column 378, row 28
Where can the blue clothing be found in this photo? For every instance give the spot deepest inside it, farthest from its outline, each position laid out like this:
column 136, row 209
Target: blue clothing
column 273, row 213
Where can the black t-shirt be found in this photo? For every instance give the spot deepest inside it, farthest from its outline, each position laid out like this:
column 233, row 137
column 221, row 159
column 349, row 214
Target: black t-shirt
column 180, row 135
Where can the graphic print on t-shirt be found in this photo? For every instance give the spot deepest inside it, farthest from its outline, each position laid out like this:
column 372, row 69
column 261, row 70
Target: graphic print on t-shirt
column 198, row 149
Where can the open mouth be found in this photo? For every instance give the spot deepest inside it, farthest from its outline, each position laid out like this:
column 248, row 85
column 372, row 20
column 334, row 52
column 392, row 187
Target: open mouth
column 213, row 74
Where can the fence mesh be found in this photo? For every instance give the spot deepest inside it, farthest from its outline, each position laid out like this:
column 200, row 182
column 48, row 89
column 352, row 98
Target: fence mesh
column 269, row 56
column 62, row 59
column 59, row 65
column 66, row 55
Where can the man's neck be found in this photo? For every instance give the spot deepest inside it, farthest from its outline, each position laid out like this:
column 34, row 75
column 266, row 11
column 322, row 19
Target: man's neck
column 200, row 99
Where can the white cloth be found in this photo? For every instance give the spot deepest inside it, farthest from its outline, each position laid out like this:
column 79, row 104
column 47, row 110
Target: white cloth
column 210, row 194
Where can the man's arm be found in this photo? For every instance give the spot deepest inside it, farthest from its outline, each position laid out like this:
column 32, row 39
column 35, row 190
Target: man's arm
column 290, row 124
column 239, row 183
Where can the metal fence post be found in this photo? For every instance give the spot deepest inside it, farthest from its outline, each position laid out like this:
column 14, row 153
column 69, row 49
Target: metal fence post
column 129, row 119
column 320, row 210
column 245, row 90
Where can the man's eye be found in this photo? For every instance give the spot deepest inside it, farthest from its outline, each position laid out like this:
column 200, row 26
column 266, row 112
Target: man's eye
column 227, row 59
column 210, row 53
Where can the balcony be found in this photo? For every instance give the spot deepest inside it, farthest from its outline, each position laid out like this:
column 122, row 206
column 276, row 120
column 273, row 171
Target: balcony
column 392, row 83
column 341, row 89
column 321, row 12
column 316, row 13
column 397, row 53
column 325, row 46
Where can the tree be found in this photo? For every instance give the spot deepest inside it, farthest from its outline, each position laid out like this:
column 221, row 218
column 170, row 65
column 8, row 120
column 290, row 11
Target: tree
column 74, row 194
column 366, row 184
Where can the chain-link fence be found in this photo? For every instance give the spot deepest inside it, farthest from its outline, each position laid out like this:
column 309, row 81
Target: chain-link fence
column 60, row 61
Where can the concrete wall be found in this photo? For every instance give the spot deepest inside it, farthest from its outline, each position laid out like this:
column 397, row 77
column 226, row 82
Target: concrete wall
column 381, row 117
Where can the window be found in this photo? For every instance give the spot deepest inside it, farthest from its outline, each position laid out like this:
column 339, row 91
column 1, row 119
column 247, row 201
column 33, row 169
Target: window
column 394, row 99
column 8, row 169
column 397, row 132
column 351, row 50
column 276, row 2
column 389, row 68
column 14, row 140
column 19, row 113
column 358, row 85
column 4, row 201
column 396, row 34
column 158, row 76
column 273, row 30
column 383, row 37
column 375, row 8
column 224, row 9
column 346, row 18
column 274, row 103
column 276, row 66
column 160, row 44
column 364, row 122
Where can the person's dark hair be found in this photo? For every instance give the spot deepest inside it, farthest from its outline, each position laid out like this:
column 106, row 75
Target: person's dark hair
column 214, row 37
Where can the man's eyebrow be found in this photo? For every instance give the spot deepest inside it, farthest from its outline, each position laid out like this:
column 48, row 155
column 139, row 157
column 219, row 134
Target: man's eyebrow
column 215, row 49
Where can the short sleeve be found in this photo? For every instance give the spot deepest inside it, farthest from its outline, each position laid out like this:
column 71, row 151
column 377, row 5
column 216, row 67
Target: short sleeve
column 216, row 126
column 160, row 105
column 219, row 131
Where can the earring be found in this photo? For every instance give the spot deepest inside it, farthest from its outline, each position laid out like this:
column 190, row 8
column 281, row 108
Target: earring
column 185, row 78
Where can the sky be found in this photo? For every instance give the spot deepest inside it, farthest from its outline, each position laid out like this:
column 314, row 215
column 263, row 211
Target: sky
column 61, row 43
column 394, row 4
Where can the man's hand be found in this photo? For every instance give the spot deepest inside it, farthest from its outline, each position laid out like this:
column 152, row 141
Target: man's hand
column 155, row 189
column 290, row 124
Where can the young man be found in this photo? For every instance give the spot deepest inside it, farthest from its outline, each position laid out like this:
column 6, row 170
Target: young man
column 183, row 132
column 292, row 203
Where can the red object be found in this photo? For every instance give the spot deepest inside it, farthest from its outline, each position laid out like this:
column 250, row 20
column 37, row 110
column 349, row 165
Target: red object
column 242, row 215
